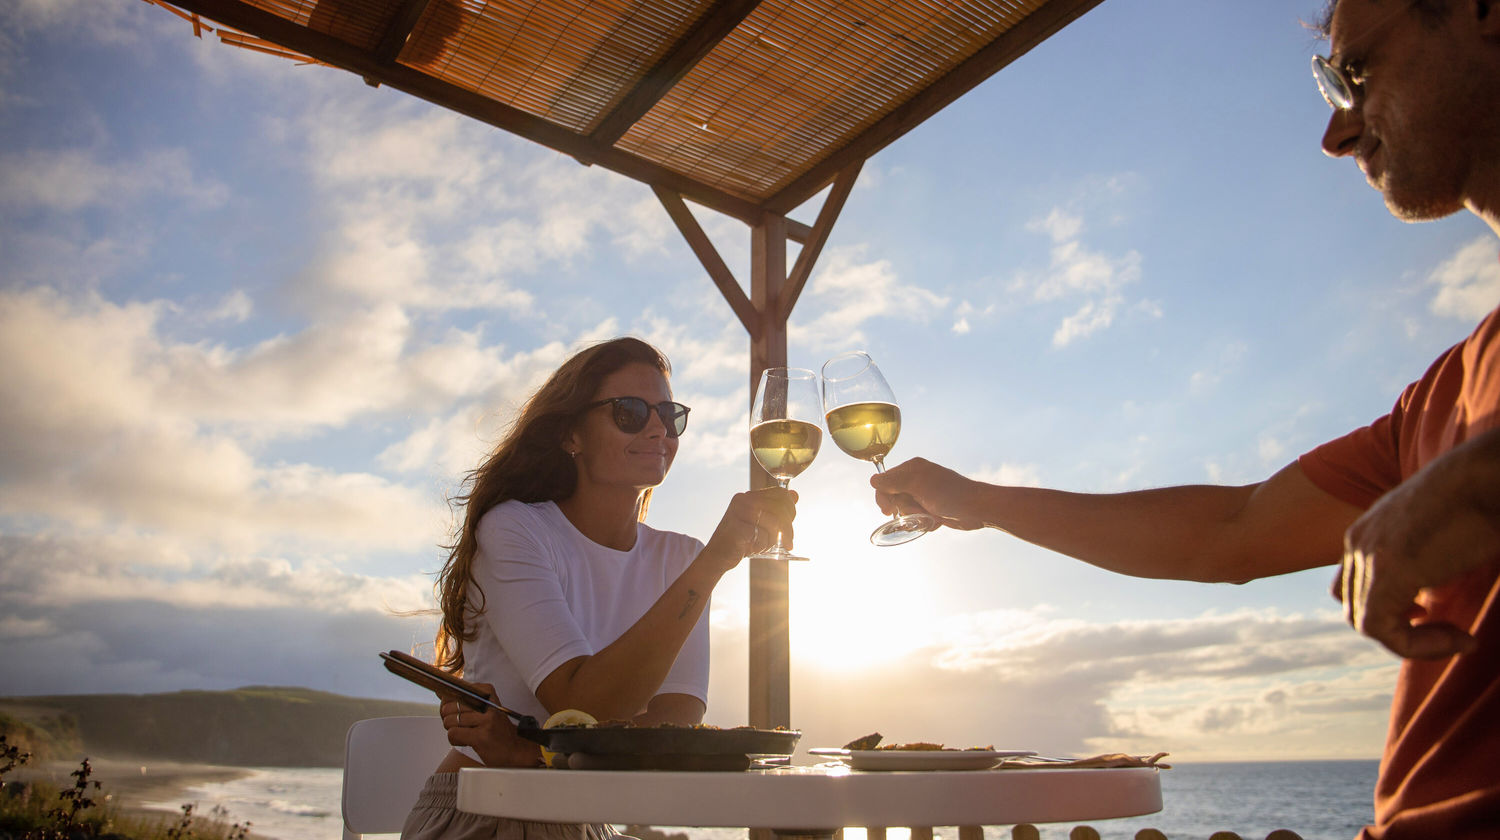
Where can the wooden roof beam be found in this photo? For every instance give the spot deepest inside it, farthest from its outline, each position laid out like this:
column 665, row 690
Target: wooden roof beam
column 708, row 255
column 325, row 48
column 1014, row 43
column 711, row 28
column 396, row 32
column 399, row 29
column 798, row 232
column 813, row 247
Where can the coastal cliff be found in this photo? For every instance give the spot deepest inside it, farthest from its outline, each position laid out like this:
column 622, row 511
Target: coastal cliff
column 256, row 726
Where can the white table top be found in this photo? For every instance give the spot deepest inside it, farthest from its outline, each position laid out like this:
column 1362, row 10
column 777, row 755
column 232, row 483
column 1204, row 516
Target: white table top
column 811, row 799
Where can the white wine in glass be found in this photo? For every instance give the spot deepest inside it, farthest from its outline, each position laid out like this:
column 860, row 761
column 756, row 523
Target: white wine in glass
column 784, row 432
column 864, row 421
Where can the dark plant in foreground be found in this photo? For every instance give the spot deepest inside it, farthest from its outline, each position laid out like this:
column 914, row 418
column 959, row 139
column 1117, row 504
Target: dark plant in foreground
column 11, row 757
column 183, row 830
column 78, row 816
column 66, row 821
column 235, row 831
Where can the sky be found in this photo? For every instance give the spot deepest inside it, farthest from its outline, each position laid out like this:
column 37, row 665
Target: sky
column 257, row 319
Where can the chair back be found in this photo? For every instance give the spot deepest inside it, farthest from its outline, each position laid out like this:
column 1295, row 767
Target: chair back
column 386, row 762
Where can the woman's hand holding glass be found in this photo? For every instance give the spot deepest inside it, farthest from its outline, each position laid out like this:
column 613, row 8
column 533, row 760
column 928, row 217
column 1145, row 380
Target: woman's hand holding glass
column 751, row 522
column 784, row 435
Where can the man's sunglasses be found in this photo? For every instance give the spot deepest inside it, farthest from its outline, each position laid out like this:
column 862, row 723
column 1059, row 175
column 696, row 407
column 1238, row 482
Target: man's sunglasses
column 631, row 414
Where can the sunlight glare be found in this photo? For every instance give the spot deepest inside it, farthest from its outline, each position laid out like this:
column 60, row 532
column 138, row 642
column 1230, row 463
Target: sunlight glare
column 854, row 605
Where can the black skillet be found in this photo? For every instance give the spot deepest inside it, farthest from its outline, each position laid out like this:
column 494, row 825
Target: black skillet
column 612, row 747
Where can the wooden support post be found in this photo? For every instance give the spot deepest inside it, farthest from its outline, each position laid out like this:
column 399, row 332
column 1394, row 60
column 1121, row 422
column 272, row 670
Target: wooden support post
column 770, row 644
column 764, row 315
column 770, row 640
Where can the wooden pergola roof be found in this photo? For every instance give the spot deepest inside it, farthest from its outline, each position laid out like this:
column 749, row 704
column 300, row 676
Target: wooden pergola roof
column 744, row 106
column 747, row 107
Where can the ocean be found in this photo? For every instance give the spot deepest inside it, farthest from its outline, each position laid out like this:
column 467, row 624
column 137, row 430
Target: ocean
column 1320, row 800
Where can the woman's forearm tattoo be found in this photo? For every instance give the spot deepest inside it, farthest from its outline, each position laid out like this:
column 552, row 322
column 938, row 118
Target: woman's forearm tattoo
column 692, row 599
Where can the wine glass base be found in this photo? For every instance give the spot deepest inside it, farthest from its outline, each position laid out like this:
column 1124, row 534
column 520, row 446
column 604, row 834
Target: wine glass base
column 774, row 554
column 903, row 529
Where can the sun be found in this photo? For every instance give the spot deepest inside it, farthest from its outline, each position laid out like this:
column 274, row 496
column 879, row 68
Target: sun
column 852, row 605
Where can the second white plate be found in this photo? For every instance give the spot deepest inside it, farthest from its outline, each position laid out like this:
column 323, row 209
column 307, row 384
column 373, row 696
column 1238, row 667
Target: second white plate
column 919, row 759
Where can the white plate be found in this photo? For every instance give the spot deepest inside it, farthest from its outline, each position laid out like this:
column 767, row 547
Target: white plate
column 920, row 759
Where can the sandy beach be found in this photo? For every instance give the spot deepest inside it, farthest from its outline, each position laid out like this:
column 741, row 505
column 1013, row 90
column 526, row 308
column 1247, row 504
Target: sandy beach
column 127, row 784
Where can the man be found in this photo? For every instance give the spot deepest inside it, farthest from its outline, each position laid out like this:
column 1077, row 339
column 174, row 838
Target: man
column 1409, row 507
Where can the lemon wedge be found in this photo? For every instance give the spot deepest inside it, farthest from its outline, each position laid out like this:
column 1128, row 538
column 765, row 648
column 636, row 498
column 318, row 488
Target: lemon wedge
column 566, row 717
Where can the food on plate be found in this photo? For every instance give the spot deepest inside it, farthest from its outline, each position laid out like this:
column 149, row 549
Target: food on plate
column 566, row 717
column 872, row 742
column 867, row 742
column 570, row 717
column 925, row 746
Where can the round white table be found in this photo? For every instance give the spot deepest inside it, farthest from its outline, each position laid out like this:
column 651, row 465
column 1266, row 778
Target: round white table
column 813, row 800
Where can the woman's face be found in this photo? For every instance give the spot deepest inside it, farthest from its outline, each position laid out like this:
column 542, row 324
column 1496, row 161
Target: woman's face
column 608, row 456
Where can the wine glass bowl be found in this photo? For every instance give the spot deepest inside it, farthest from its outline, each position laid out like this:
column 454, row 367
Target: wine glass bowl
column 865, row 421
column 784, row 432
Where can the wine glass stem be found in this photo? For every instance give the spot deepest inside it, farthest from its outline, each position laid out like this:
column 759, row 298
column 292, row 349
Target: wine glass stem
column 880, row 468
column 782, row 483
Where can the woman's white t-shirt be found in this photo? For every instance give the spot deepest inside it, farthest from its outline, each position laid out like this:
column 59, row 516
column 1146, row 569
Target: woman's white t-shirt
column 550, row 594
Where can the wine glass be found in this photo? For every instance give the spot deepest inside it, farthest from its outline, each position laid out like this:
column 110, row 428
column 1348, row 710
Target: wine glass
column 864, row 421
column 784, row 432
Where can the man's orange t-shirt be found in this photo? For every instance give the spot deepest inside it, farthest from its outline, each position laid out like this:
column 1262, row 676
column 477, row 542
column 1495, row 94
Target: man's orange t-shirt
column 1440, row 774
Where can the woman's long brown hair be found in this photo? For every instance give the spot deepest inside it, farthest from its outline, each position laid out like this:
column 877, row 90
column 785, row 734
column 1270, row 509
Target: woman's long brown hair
column 528, row 465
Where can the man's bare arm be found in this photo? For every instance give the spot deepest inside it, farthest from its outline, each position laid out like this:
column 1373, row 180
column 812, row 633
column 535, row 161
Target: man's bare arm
column 1197, row 532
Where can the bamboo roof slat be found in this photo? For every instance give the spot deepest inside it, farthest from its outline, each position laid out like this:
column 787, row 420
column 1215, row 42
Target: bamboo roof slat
column 741, row 104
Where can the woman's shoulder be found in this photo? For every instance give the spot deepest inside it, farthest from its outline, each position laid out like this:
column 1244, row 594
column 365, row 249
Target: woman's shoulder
column 669, row 541
column 516, row 515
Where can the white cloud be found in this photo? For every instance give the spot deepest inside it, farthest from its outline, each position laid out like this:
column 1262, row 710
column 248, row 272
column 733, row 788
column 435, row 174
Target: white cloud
column 1091, row 317
column 235, row 308
column 1058, row 224
column 106, row 422
column 849, row 293
column 452, row 444
column 99, row 22
column 65, row 259
column 961, row 313
column 1230, row 357
column 1253, row 683
column 1075, row 273
column 699, row 357
column 436, row 212
column 52, row 572
column 14, row 627
column 1010, row 475
column 89, row 361
column 72, row 179
column 1271, row 449
column 1468, row 283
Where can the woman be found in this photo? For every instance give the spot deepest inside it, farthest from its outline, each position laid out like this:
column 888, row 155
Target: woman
column 557, row 596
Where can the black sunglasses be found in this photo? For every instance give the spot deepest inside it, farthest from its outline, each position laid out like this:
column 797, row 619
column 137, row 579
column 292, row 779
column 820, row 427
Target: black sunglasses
column 631, row 413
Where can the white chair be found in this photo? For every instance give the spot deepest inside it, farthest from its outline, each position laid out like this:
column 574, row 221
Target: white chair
column 386, row 762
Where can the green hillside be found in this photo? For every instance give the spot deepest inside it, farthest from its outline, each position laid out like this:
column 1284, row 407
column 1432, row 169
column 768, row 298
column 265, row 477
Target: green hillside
column 256, row 726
